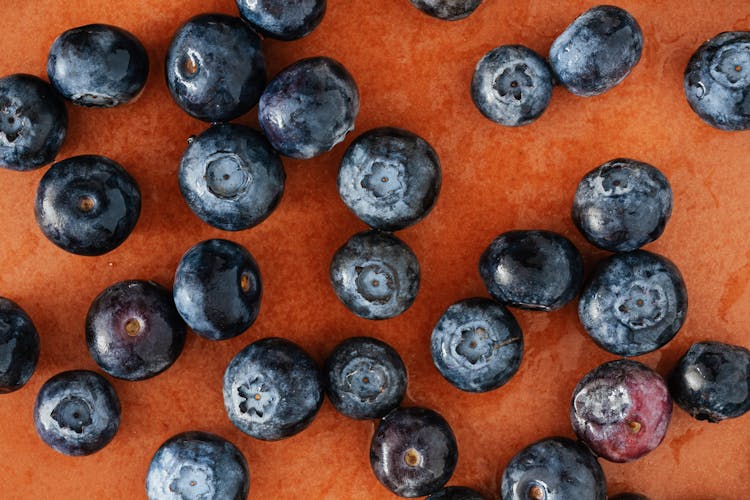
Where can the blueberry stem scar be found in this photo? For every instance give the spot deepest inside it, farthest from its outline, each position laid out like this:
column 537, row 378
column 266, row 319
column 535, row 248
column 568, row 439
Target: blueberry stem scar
column 133, row 327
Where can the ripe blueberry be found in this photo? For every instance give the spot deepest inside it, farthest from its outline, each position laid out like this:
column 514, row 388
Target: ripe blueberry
column 447, row 10
column 19, row 347
column 283, row 19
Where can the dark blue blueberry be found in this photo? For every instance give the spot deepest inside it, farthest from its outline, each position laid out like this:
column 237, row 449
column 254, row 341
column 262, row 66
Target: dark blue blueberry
column 19, row 347
column 597, row 51
column 77, row 412
column 231, row 177
column 87, row 205
column 98, row 65
column 622, row 205
column 309, row 107
column 717, row 81
column 413, row 452
column 283, row 19
column 198, row 466
column 272, row 389
column 538, row 270
column 447, row 10
column 364, row 378
column 456, row 493
column 712, row 381
column 633, row 303
column 217, row 289
column 390, row 178
column 33, row 122
column 215, row 68
column 375, row 275
column 512, row 85
column 629, row 496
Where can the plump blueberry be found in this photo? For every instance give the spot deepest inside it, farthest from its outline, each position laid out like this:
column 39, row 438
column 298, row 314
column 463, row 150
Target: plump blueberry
column 309, row 107
column 717, row 81
column 98, row 65
column 629, row 496
column 413, row 452
column 390, row 178
column 622, row 205
column 375, row 275
column 33, row 122
column 231, row 177
column 597, row 51
column 456, row 493
column 538, row 270
column 198, row 466
column 554, row 468
column 77, row 412
column 633, row 303
column 217, row 289
column 87, row 205
column 215, row 67
column 283, row 19
column 19, row 346
column 712, row 381
column 447, row 10
column 272, row 389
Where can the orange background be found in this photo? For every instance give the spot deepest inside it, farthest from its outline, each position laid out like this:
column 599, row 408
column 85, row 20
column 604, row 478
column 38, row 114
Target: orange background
column 413, row 72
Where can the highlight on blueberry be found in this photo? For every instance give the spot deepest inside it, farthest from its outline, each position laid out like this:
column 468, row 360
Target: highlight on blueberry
column 283, row 19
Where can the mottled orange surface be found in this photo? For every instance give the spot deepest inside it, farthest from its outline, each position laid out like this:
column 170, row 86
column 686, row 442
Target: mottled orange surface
column 413, row 72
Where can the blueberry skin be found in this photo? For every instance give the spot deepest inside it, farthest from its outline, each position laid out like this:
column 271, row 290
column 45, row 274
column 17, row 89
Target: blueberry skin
column 364, row 378
column 231, row 177
column 413, row 452
column 272, row 389
column 597, row 51
column 198, row 464
column 711, row 381
column 390, row 178
column 456, row 493
column 375, row 275
column 33, row 122
column 629, row 496
column 622, row 205
column 283, row 19
column 715, row 88
column 77, row 412
column 309, row 107
column 512, row 85
column 87, row 205
column 98, row 65
column 447, row 10
column 19, row 346
column 633, row 303
column 215, row 67
column 217, row 289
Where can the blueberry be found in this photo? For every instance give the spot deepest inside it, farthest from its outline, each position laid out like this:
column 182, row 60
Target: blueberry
column 390, row 178
column 87, row 205
column 597, row 51
column 19, row 347
column 711, row 381
column 447, row 10
column 272, row 389
column 477, row 345
column 622, row 205
column 413, row 452
column 512, row 85
column 309, row 107
column 198, row 465
column 456, row 493
column 375, row 275
column 98, row 65
column 217, row 289
column 231, row 178
column 215, row 68
column 633, row 303
column 33, row 122
column 283, row 19
column 629, row 496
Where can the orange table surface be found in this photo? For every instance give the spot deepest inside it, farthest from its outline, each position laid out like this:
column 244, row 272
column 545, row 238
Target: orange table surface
column 413, row 72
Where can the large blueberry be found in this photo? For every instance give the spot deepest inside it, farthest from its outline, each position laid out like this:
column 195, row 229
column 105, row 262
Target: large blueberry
column 456, row 493
column 283, row 19
column 19, row 347
column 447, row 10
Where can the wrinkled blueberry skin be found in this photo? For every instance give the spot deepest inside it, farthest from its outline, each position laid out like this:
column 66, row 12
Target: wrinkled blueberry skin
column 622, row 205
column 554, row 468
column 19, row 346
column 215, row 67
column 597, row 51
column 629, row 496
column 633, row 303
column 390, row 178
column 283, row 19
column 512, row 85
column 98, row 66
column 231, row 177
column 77, row 412
column 447, row 10
column 309, row 107
column 712, row 381
column 33, row 122
column 87, row 205
column 217, row 289
column 272, row 389
column 413, row 452
column 198, row 465
column 456, row 493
